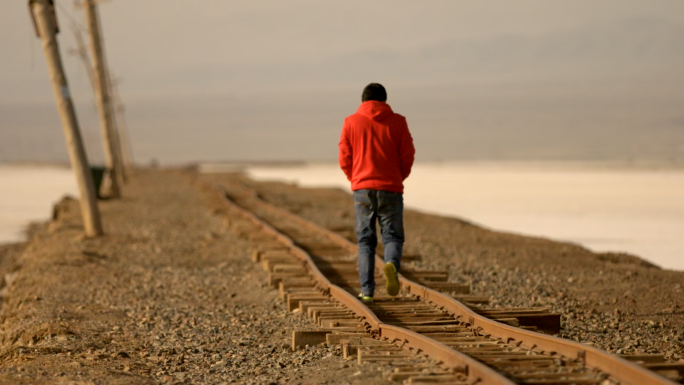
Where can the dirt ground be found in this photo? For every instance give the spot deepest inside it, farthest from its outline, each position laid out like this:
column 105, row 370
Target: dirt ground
column 170, row 295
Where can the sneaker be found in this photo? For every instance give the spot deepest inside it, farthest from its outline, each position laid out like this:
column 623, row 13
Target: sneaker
column 365, row 298
column 391, row 278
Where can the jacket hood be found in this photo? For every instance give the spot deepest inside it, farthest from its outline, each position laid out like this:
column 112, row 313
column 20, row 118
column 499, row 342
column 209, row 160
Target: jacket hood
column 375, row 110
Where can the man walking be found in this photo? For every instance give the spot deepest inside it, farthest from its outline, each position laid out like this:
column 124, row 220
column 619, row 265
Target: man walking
column 376, row 155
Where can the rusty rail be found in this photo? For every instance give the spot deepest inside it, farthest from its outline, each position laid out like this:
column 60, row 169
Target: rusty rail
column 449, row 357
column 619, row 369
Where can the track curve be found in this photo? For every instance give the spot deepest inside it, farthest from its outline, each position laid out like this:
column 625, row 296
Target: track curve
column 495, row 354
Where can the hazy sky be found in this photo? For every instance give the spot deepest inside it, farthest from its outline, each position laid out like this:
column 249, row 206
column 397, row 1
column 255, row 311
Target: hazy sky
column 155, row 44
column 177, row 59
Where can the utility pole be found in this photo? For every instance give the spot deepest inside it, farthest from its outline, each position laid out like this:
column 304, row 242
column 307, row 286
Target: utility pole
column 117, row 130
column 121, row 123
column 117, row 108
column 111, row 149
column 45, row 22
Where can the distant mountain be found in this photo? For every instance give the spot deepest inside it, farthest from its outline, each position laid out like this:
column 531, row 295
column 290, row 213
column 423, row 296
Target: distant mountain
column 631, row 50
column 641, row 48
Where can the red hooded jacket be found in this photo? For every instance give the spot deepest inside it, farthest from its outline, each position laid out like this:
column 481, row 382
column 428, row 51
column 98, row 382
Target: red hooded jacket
column 376, row 148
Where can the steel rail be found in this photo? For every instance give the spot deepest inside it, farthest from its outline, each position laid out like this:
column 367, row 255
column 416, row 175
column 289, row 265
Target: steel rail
column 450, row 358
column 620, row 369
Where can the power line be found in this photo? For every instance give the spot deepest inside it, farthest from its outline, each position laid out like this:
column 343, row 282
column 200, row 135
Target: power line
column 71, row 18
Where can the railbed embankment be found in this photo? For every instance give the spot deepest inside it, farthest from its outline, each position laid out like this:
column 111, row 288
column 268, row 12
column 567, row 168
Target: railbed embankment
column 169, row 294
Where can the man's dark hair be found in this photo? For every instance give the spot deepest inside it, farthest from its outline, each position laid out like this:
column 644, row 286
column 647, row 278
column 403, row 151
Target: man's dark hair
column 374, row 91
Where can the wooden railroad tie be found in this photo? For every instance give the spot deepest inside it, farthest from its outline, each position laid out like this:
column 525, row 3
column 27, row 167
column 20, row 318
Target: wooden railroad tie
column 656, row 362
column 541, row 319
column 449, row 287
column 425, row 276
column 303, row 338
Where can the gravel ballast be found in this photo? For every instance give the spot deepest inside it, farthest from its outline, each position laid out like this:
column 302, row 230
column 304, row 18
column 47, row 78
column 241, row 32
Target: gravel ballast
column 169, row 295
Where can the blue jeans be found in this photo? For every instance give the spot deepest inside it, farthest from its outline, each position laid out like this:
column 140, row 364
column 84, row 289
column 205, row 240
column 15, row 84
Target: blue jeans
column 387, row 208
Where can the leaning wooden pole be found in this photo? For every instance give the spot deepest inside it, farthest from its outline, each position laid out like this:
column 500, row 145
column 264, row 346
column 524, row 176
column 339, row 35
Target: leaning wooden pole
column 111, row 149
column 46, row 27
column 117, row 110
column 117, row 128
column 126, row 147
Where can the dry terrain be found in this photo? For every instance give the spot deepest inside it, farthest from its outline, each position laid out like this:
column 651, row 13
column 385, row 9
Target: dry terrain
column 170, row 295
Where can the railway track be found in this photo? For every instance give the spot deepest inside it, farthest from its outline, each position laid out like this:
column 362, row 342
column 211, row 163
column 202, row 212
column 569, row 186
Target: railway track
column 316, row 272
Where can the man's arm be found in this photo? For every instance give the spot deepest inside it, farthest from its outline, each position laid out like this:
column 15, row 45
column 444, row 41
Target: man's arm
column 407, row 152
column 346, row 155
